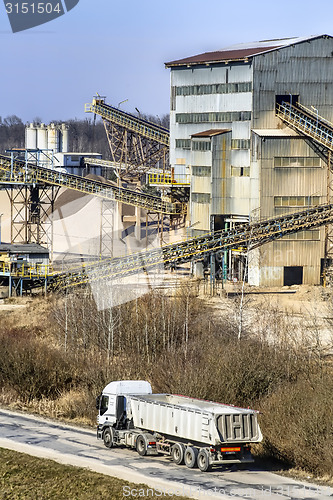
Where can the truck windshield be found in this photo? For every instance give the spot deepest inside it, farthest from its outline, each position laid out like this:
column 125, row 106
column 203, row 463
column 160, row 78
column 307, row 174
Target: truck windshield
column 104, row 404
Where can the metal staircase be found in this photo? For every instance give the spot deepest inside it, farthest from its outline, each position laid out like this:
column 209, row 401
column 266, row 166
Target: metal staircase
column 19, row 171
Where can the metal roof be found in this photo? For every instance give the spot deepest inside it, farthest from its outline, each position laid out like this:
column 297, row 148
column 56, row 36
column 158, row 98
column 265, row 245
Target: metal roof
column 29, row 248
column 276, row 132
column 241, row 52
column 211, row 132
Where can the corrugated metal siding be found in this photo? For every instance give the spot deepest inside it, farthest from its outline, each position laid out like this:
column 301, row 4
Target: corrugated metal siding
column 284, row 181
column 305, row 69
column 238, row 101
column 200, row 212
column 276, row 255
column 200, row 216
column 220, row 173
column 292, row 181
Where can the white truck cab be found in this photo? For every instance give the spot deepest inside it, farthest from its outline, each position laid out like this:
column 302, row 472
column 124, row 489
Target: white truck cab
column 111, row 403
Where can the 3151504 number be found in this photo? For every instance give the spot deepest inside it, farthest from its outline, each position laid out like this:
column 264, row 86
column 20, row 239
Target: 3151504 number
column 33, row 8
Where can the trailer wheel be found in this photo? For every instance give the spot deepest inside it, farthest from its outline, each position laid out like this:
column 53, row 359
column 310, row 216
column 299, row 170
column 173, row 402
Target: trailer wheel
column 190, row 457
column 141, row 445
column 108, row 437
column 203, row 460
column 177, row 453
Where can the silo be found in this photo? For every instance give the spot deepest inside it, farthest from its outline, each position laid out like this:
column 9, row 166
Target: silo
column 30, row 136
column 64, row 138
column 42, row 136
column 53, row 138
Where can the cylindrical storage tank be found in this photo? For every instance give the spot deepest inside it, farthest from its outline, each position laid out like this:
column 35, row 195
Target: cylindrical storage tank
column 64, row 138
column 53, row 138
column 42, row 136
column 30, row 137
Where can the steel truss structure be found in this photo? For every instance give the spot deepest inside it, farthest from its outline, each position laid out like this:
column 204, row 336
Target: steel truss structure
column 107, row 226
column 248, row 236
column 136, row 145
column 19, row 171
column 31, row 208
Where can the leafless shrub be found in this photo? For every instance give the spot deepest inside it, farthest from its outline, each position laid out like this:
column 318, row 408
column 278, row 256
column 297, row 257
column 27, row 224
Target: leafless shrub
column 297, row 423
column 279, row 365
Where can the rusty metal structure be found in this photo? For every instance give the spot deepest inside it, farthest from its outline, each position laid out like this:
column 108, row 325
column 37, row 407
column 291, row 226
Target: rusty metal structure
column 248, row 236
column 136, row 145
column 18, row 171
column 139, row 147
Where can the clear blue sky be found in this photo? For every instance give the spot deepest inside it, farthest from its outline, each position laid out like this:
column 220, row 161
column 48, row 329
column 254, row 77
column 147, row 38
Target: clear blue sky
column 118, row 48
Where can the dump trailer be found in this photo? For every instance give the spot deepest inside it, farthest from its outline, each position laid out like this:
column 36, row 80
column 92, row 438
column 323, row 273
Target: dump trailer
column 192, row 431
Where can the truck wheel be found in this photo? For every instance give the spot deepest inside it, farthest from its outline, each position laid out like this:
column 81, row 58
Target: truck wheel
column 203, row 460
column 108, row 437
column 190, row 457
column 177, row 453
column 141, row 445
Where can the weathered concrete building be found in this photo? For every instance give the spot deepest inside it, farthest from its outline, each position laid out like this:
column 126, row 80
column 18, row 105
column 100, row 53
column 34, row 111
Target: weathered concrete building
column 244, row 162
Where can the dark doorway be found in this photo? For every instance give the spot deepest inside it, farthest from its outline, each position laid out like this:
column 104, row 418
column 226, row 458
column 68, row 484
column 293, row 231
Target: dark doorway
column 293, row 275
column 217, row 222
column 288, row 98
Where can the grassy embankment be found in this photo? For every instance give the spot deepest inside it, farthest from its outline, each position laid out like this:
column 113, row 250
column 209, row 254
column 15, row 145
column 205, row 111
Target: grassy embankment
column 28, row 478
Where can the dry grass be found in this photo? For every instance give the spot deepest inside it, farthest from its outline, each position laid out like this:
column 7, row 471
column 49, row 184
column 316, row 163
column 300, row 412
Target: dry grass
column 58, row 367
column 28, row 478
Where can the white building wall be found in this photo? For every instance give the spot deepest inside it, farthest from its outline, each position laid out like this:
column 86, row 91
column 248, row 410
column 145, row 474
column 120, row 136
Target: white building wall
column 235, row 101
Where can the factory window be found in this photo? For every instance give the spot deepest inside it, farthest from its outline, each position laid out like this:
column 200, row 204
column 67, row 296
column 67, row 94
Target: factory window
column 240, row 143
column 201, row 171
column 240, row 171
column 213, row 117
column 201, row 145
column 216, row 88
column 296, row 161
column 304, row 235
column 295, row 201
column 183, row 143
column 200, row 197
column 173, row 99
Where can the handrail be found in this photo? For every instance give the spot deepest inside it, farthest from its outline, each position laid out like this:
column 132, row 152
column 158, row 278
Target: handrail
column 244, row 235
column 21, row 171
column 143, row 127
column 307, row 123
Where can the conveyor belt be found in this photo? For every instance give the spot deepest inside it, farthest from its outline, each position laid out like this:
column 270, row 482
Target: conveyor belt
column 308, row 123
column 245, row 235
column 19, row 171
column 134, row 124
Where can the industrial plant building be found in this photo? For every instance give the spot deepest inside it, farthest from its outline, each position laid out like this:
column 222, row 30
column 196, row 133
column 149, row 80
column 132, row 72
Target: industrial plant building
column 244, row 162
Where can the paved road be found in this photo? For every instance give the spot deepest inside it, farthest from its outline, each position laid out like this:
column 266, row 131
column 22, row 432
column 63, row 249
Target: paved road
column 76, row 446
